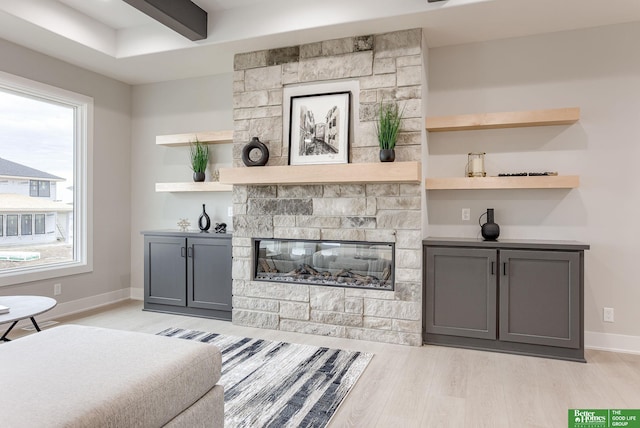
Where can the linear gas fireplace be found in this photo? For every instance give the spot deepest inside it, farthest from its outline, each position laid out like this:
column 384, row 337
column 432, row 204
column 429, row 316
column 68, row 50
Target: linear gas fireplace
column 331, row 263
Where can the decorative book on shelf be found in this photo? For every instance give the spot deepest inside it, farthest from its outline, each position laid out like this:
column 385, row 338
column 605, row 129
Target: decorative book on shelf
column 4, row 309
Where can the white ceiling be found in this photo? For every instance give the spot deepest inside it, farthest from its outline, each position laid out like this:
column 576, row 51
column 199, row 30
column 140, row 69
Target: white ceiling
column 113, row 38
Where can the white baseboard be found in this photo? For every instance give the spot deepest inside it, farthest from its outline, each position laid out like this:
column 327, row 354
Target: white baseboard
column 80, row 305
column 88, row 303
column 612, row 342
column 137, row 294
column 593, row 340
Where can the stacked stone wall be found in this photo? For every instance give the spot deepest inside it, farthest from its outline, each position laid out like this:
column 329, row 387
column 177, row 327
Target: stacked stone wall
column 386, row 67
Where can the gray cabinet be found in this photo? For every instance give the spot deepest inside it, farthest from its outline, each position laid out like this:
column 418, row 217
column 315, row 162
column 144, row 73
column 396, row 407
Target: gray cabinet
column 165, row 270
column 188, row 273
column 540, row 297
column 512, row 296
column 460, row 292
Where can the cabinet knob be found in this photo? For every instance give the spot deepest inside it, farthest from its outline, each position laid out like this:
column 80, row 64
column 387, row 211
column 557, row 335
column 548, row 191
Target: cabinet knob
column 183, row 252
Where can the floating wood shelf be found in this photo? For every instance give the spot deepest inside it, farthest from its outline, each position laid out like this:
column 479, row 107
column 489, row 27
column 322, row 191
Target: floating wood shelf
column 210, row 137
column 528, row 182
column 383, row 172
column 514, row 119
column 206, row 186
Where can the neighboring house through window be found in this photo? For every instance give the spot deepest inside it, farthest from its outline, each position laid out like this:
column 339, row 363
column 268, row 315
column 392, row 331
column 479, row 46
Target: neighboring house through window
column 46, row 140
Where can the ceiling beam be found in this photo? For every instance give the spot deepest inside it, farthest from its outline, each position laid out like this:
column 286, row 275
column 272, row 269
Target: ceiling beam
column 182, row 16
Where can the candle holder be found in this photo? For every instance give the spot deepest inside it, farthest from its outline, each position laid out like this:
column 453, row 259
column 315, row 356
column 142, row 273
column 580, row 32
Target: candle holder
column 475, row 165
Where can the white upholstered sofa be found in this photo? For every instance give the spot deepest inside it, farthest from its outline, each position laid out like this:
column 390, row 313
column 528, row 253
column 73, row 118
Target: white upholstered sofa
column 78, row 376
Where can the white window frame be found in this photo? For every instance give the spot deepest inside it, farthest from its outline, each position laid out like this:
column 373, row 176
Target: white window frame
column 83, row 181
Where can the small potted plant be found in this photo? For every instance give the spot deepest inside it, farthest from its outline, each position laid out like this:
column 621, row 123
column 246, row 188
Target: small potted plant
column 199, row 159
column 387, row 128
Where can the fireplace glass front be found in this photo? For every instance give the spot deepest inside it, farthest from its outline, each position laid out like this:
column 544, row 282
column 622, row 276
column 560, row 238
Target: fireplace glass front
column 330, row 263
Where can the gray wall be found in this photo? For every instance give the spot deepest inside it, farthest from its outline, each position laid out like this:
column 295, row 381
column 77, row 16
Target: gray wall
column 597, row 70
column 111, row 175
column 175, row 107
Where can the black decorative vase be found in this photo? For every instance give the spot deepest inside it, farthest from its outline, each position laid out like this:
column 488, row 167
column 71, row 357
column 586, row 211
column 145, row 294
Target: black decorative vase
column 198, row 176
column 490, row 230
column 204, row 222
column 255, row 144
column 387, row 155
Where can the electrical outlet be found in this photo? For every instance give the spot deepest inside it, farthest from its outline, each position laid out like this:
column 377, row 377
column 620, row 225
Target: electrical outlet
column 57, row 289
column 466, row 214
column 230, row 211
column 607, row 315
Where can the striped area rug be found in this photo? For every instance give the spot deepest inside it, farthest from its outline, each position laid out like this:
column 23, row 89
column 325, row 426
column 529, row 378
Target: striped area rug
column 279, row 384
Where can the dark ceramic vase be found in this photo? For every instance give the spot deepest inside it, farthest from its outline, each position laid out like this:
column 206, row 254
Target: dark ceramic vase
column 198, row 176
column 204, row 222
column 490, row 230
column 387, row 155
column 255, row 144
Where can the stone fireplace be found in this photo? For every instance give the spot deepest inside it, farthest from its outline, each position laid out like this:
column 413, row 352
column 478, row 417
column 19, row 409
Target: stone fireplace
column 380, row 67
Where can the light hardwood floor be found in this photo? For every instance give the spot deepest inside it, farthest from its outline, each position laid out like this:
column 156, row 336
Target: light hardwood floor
column 433, row 386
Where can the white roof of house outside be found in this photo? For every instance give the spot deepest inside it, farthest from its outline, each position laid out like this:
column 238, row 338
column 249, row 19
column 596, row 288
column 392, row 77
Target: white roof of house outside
column 12, row 203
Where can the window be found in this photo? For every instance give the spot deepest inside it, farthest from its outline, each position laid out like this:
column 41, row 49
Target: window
column 12, row 225
column 39, row 118
column 39, row 188
column 43, row 189
column 33, row 188
column 39, row 228
column 25, row 224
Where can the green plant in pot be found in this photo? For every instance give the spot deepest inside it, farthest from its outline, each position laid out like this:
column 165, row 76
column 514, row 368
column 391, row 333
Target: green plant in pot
column 199, row 159
column 387, row 128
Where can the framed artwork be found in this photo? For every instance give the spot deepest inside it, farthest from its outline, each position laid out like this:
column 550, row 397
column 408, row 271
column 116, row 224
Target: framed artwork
column 319, row 129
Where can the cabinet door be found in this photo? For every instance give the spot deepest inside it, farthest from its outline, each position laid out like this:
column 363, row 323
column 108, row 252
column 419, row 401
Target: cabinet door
column 209, row 273
column 540, row 297
column 165, row 270
column 461, row 292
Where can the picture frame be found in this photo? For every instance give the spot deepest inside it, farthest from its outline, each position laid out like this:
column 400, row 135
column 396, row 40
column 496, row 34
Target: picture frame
column 319, row 128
